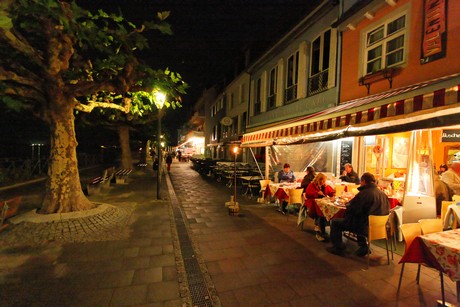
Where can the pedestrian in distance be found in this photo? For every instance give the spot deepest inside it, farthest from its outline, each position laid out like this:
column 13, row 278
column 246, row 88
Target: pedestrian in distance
column 169, row 161
column 155, row 167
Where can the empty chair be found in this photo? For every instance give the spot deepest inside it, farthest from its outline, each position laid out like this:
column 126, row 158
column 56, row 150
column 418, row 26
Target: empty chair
column 452, row 218
column 253, row 185
column 456, row 198
column 409, row 231
column 295, row 199
column 263, row 186
column 430, row 225
column 378, row 230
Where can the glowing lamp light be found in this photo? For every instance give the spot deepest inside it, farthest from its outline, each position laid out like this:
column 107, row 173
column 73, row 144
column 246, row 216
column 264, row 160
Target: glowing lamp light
column 235, row 150
column 160, row 98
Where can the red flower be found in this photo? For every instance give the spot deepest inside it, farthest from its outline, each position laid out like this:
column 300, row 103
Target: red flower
column 452, row 259
column 440, row 250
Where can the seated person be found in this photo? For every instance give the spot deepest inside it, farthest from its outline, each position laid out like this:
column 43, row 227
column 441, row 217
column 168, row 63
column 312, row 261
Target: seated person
column 308, row 177
column 285, row 175
column 442, row 168
column 452, row 177
column 349, row 175
column 318, row 189
column 370, row 200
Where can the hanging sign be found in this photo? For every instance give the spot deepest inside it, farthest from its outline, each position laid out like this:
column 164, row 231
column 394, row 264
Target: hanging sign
column 434, row 31
column 452, row 135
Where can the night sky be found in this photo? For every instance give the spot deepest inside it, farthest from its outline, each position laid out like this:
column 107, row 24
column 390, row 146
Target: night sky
column 208, row 42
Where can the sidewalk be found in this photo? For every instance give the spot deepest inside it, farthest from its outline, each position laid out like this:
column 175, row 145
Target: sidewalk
column 187, row 251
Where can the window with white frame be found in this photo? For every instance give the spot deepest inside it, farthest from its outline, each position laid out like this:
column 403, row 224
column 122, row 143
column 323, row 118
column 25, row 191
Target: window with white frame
column 385, row 45
column 257, row 97
column 319, row 65
column 292, row 77
column 272, row 86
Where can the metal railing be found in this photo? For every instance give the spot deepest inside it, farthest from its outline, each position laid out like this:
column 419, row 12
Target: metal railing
column 318, row 83
column 19, row 170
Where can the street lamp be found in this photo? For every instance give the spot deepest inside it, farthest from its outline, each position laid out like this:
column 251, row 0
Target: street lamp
column 235, row 151
column 159, row 99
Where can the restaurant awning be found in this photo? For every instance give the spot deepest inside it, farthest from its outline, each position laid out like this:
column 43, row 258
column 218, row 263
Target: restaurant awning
column 429, row 104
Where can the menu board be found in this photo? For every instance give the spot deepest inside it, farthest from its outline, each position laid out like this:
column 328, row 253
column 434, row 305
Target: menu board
column 346, row 151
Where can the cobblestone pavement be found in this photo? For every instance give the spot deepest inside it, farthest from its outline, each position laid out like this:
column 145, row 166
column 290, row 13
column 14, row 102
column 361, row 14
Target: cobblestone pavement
column 133, row 252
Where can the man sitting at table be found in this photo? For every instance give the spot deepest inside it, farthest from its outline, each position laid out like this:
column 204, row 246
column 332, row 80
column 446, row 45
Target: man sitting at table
column 349, row 175
column 285, row 175
column 370, row 200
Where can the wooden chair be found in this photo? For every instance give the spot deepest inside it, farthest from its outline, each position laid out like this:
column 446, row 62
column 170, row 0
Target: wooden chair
column 295, row 198
column 409, row 231
column 378, row 230
column 430, row 225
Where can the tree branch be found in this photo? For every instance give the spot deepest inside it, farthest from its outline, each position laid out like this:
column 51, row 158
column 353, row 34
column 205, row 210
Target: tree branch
column 92, row 104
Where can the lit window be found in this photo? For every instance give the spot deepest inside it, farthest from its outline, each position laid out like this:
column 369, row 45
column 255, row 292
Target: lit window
column 385, row 45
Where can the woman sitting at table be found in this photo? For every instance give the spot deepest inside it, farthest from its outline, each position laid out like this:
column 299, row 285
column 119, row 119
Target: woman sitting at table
column 285, row 175
column 318, row 189
column 308, row 177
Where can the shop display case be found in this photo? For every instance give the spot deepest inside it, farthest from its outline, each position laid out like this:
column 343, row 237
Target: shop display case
column 419, row 196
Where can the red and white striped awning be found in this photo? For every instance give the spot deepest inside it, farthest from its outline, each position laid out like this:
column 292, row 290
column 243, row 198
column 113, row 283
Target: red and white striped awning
column 429, row 104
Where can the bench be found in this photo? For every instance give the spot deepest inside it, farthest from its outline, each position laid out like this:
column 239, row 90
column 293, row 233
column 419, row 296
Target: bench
column 8, row 209
column 96, row 184
column 121, row 174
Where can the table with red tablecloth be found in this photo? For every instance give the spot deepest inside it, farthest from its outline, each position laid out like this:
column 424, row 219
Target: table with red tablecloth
column 280, row 190
column 440, row 250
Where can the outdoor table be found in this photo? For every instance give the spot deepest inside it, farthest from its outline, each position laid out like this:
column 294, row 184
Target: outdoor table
column 280, row 190
column 329, row 209
column 439, row 250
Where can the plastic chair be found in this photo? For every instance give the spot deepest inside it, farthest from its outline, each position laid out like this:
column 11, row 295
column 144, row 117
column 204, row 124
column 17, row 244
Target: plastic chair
column 295, row 198
column 378, row 230
column 410, row 231
column 456, row 198
column 430, row 225
column 263, row 186
column 452, row 218
column 444, row 205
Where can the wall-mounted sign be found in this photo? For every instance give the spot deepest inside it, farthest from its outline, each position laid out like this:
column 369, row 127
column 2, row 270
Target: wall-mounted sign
column 346, row 153
column 226, row 121
column 434, row 31
column 451, row 135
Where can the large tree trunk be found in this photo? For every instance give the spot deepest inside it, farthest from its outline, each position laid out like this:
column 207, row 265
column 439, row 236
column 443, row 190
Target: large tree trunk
column 63, row 188
column 126, row 158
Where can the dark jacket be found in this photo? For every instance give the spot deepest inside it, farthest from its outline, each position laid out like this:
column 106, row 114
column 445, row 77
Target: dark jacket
column 306, row 180
column 369, row 201
column 168, row 160
column 351, row 177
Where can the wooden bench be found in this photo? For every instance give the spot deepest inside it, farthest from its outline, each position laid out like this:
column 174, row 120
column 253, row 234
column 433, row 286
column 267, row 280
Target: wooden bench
column 96, row 184
column 122, row 174
column 8, row 209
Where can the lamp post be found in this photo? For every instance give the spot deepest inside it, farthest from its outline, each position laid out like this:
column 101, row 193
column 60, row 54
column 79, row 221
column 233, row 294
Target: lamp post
column 160, row 99
column 235, row 151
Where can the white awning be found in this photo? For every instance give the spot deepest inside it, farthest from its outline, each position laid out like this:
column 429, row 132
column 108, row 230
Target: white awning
column 434, row 103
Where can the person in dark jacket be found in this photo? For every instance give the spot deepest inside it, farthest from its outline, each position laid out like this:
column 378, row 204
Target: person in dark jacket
column 370, row 200
column 349, row 175
column 308, row 177
column 169, row 161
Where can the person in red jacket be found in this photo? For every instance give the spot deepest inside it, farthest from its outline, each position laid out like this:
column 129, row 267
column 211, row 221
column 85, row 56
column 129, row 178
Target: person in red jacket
column 318, row 189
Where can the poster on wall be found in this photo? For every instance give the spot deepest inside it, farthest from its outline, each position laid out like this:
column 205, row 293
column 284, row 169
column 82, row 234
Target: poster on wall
column 434, row 36
column 400, row 152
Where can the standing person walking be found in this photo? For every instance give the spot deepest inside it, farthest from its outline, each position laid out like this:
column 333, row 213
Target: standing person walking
column 169, row 161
